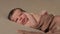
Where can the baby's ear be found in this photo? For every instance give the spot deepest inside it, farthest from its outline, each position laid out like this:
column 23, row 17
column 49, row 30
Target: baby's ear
column 44, row 12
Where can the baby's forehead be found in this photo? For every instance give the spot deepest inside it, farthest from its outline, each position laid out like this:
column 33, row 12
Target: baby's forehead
column 14, row 14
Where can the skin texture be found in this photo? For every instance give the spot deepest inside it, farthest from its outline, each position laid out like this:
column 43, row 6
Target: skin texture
column 34, row 21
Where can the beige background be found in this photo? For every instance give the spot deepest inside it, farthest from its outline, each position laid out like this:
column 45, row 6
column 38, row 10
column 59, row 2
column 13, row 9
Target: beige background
column 52, row 6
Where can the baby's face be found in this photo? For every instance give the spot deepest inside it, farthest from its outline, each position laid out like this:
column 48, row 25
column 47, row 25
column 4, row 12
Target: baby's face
column 19, row 17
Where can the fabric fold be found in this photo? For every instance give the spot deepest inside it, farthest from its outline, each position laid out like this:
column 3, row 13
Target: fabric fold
column 45, row 23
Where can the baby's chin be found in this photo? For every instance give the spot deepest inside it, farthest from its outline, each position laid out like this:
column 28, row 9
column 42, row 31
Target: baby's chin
column 28, row 24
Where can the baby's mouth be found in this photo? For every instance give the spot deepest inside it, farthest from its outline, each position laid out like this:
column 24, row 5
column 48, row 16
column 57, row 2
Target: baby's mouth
column 24, row 21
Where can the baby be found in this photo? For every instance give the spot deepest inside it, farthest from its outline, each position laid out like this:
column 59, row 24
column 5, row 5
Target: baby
column 48, row 23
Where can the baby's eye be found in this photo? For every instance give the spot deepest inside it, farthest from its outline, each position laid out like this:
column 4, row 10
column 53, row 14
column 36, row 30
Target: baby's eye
column 16, row 20
column 20, row 14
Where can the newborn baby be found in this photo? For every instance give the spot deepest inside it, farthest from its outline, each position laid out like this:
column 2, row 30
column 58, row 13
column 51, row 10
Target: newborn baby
column 43, row 21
